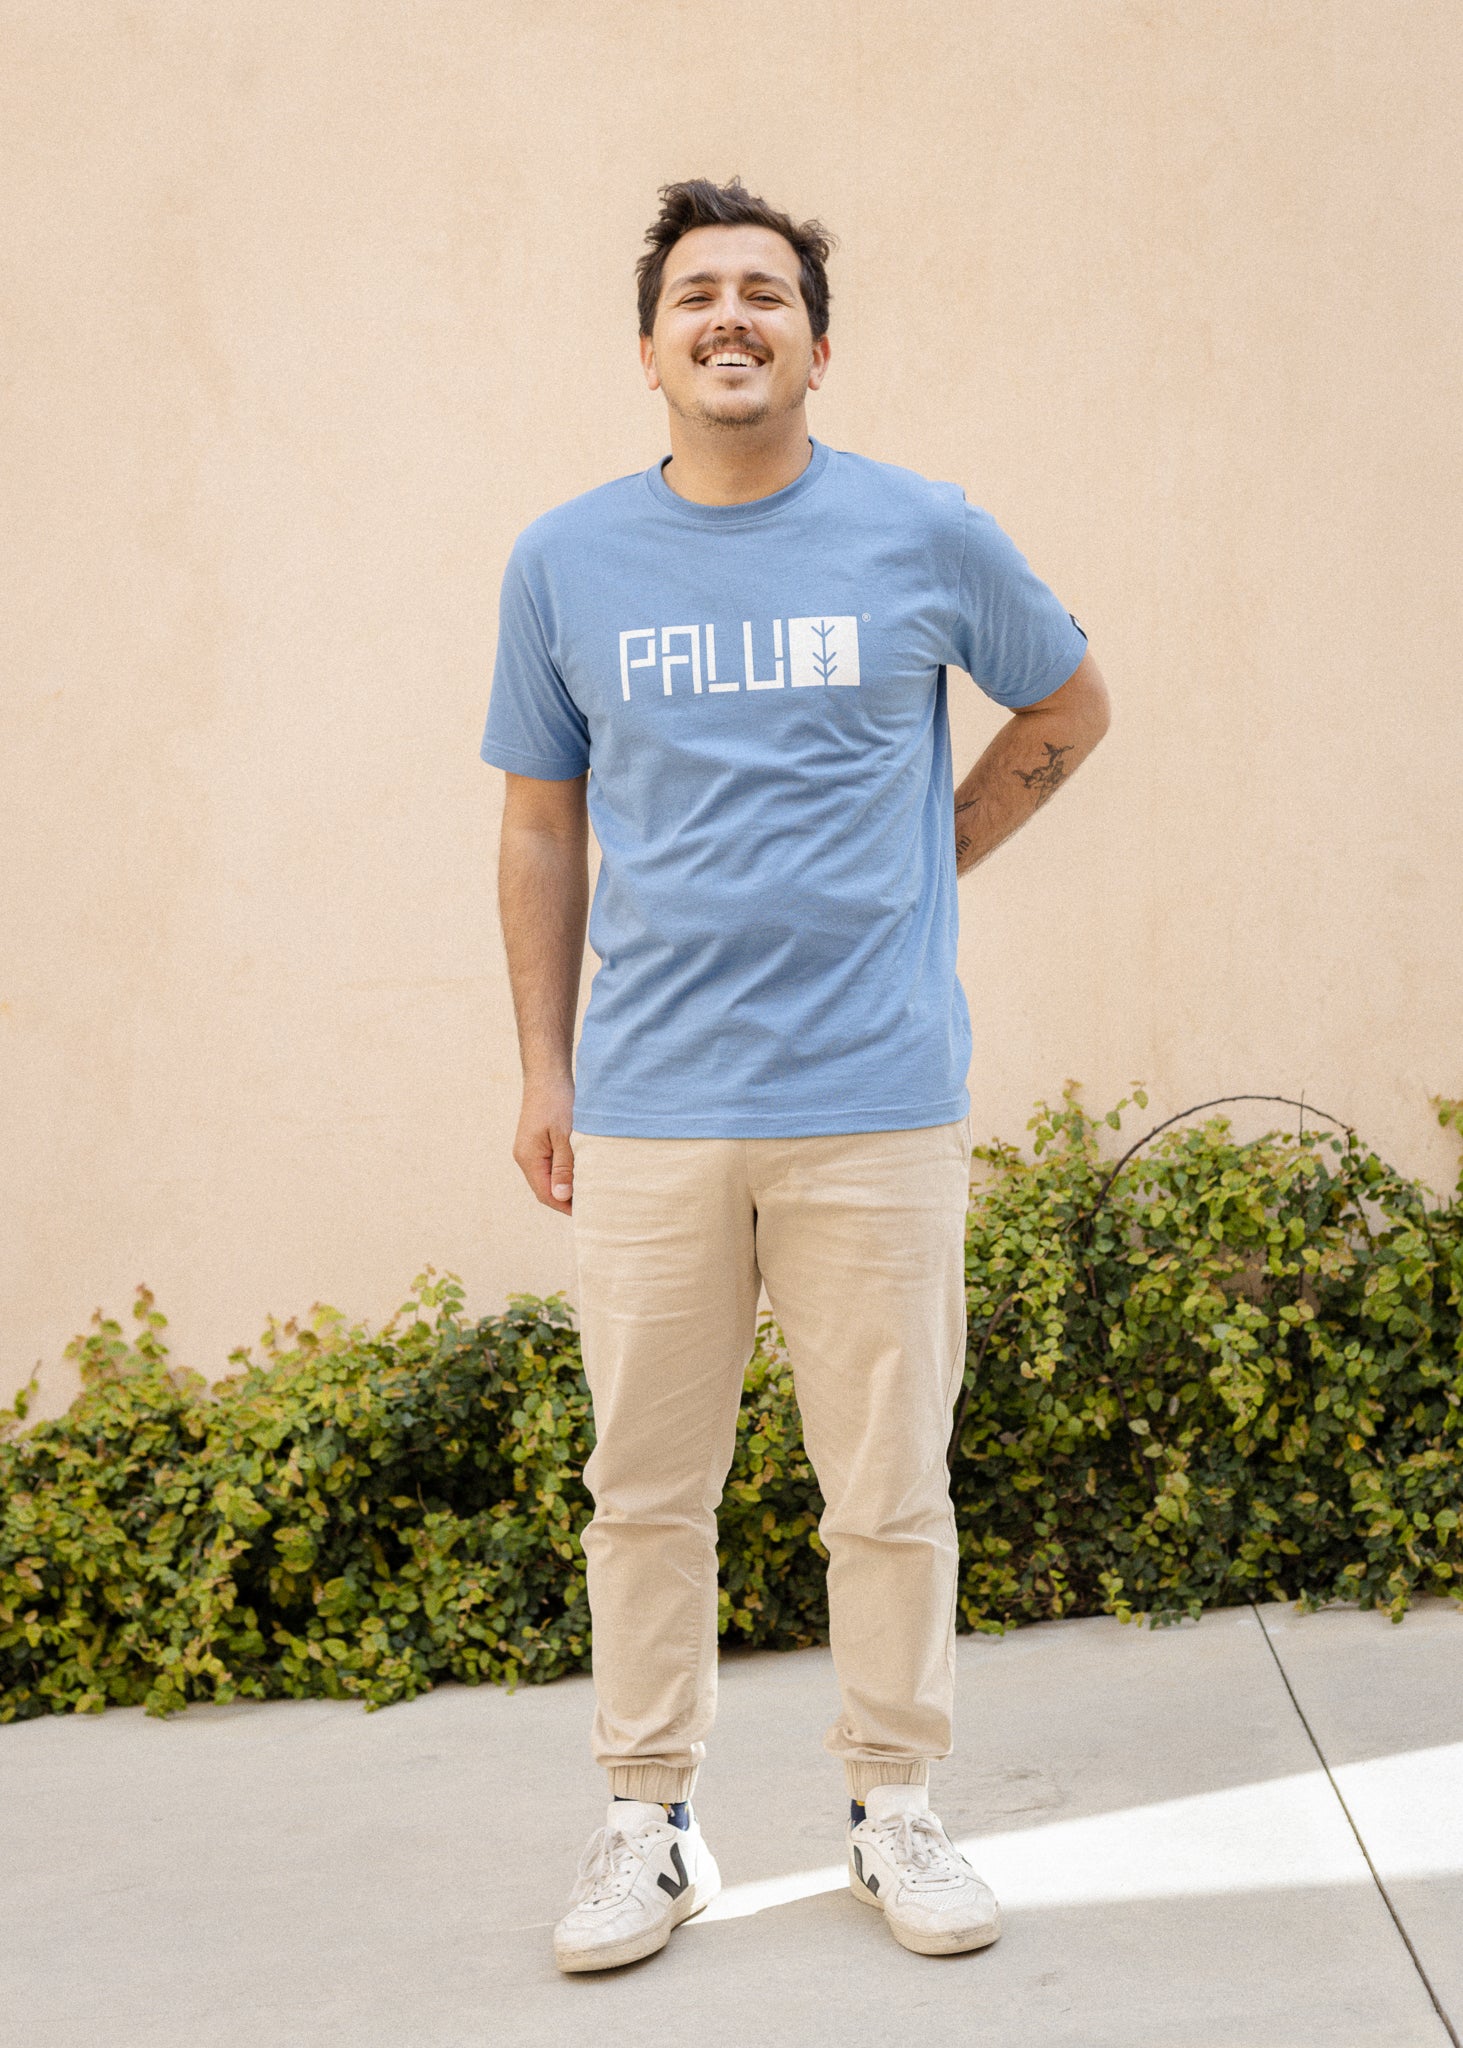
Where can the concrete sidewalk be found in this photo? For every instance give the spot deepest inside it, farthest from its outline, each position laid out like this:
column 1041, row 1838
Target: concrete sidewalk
column 1178, row 1869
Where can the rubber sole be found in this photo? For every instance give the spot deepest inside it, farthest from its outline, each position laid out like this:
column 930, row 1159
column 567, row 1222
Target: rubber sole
column 635, row 1947
column 956, row 1943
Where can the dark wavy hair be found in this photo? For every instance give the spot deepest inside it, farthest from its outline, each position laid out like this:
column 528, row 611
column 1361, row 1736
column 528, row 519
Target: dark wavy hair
column 697, row 203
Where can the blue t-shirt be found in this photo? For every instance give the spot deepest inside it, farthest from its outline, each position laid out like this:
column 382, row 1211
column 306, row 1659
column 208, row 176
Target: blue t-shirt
column 758, row 693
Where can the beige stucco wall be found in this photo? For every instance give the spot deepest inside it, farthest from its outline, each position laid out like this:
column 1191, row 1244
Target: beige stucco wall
column 310, row 309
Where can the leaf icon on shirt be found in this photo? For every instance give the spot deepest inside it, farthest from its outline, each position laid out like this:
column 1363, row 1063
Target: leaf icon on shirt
column 824, row 660
column 823, row 652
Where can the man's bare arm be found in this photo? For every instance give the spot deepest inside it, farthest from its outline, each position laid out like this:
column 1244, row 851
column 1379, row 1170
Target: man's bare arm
column 1029, row 759
column 543, row 904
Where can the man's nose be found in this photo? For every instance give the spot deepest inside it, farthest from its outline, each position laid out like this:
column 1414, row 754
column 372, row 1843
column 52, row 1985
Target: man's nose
column 730, row 312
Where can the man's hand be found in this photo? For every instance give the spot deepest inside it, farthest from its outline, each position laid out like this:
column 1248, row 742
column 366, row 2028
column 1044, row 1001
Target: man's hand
column 1029, row 759
column 541, row 1148
column 543, row 899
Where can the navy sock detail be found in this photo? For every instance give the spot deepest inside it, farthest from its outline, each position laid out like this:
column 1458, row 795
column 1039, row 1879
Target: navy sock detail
column 677, row 1811
column 856, row 1812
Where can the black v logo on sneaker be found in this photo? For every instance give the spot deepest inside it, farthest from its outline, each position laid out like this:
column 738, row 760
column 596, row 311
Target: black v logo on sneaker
column 868, row 1879
column 669, row 1884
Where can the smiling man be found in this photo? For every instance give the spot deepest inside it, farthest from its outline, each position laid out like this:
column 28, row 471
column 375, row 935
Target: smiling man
column 733, row 665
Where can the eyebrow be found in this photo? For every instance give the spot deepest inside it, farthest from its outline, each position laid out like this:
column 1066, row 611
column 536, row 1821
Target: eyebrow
column 747, row 277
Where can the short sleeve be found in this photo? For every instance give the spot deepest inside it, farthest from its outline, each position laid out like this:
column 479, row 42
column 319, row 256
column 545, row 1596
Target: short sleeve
column 534, row 727
column 1010, row 633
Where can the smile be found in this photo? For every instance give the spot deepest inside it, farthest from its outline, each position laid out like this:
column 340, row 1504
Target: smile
column 732, row 359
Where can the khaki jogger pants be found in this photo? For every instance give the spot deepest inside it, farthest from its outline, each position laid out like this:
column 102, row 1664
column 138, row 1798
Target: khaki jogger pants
column 860, row 1240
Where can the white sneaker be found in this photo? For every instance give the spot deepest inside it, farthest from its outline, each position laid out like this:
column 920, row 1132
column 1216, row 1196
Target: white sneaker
column 638, row 1878
column 901, row 1859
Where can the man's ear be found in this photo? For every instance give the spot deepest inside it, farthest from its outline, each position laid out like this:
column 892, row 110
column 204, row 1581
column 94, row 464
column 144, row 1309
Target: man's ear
column 819, row 367
column 647, row 362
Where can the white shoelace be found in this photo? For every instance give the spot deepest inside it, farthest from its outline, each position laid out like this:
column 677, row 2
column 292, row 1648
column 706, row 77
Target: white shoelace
column 917, row 1843
column 607, row 1869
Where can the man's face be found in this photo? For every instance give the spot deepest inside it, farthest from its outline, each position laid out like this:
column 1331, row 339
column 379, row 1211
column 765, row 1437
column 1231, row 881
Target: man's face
column 732, row 345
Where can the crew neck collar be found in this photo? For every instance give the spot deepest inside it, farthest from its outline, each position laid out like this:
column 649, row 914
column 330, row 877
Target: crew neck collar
column 747, row 513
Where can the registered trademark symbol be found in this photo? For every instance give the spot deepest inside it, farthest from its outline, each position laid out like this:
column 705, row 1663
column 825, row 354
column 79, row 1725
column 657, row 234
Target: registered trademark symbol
column 866, row 618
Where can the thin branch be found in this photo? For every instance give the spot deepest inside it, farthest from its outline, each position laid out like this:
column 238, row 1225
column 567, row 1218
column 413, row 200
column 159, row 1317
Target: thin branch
column 974, row 1374
column 1218, row 1101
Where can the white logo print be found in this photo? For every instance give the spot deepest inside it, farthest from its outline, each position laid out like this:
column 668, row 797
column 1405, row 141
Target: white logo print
column 823, row 651
column 813, row 654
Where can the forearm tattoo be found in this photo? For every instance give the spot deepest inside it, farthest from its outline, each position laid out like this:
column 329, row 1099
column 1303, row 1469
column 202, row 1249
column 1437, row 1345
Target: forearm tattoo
column 1047, row 779
column 964, row 837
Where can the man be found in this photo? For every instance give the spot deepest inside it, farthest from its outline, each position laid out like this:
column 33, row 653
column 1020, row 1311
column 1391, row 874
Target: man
column 734, row 666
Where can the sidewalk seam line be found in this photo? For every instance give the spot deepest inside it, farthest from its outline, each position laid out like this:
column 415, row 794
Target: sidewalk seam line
column 1427, row 1986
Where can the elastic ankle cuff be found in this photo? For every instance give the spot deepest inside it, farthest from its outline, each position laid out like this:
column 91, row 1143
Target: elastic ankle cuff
column 864, row 1773
column 651, row 1781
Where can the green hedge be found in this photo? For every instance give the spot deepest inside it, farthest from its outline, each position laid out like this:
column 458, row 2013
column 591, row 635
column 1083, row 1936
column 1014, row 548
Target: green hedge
column 1233, row 1370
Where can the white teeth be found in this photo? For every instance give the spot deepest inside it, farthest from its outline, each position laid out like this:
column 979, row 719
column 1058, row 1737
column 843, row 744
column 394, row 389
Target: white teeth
column 731, row 361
